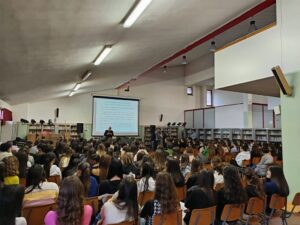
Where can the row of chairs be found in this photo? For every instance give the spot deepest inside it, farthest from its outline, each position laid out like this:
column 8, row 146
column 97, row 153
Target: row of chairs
column 35, row 214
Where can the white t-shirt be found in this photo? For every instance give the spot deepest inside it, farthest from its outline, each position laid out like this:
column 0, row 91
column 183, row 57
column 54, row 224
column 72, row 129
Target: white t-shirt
column 110, row 214
column 141, row 184
column 55, row 170
column 21, row 221
column 243, row 155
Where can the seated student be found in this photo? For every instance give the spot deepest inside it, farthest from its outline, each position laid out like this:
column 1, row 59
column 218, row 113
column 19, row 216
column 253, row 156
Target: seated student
column 174, row 169
column 185, row 164
column 147, row 182
column 244, row 154
column 114, row 178
column 11, row 171
column 197, row 166
column 275, row 183
column 142, row 149
column 165, row 198
column 11, row 198
column 50, row 168
column 37, row 186
column 89, row 182
column 254, row 187
column 128, row 166
column 70, row 209
column 71, row 169
column 159, row 159
column 232, row 192
column 201, row 195
column 265, row 161
column 122, row 207
column 216, row 164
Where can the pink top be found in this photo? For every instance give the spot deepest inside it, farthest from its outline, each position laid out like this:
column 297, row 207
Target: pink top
column 51, row 217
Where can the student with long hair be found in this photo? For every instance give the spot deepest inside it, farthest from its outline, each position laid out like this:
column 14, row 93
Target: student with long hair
column 71, row 209
column 147, row 182
column 191, row 178
column 185, row 164
column 114, row 178
column 49, row 165
column 174, row 169
column 37, row 186
column 11, row 198
column 275, row 183
column 201, row 195
column 232, row 192
column 265, row 161
column 165, row 198
column 254, row 187
column 123, row 206
column 159, row 159
column 89, row 182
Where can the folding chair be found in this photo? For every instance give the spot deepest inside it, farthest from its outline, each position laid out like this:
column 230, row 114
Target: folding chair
column 256, row 207
column 174, row 218
column 205, row 216
column 232, row 212
column 144, row 197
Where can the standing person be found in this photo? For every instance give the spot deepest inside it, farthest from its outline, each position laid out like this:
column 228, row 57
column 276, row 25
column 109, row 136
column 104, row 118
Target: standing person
column 71, row 209
column 124, row 206
column 108, row 134
column 165, row 198
column 11, row 198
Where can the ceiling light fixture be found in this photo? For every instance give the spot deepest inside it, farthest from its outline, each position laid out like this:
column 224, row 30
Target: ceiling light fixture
column 136, row 12
column 71, row 93
column 252, row 26
column 86, row 75
column 77, row 86
column 213, row 46
column 102, row 55
column 184, row 61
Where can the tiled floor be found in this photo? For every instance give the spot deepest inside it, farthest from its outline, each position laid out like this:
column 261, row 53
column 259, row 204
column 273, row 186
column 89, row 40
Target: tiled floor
column 293, row 220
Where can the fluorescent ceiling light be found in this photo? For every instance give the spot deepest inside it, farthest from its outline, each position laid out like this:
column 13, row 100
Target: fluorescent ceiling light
column 71, row 93
column 86, row 75
column 77, row 86
column 104, row 52
column 136, row 12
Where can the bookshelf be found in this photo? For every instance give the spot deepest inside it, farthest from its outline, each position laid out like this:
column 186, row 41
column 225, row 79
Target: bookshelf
column 170, row 132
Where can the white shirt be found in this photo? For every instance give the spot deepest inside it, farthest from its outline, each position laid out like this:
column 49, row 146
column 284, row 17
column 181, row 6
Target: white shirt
column 141, row 184
column 33, row 150
column 55, row 170
column 44, row 186
column 21, row 221
column 243, row 155
column 110, row 214
column 219, row 179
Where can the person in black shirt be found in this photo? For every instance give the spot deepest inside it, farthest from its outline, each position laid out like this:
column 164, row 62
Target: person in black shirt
column 201, row 195
column 108, row 134
column 173, row 168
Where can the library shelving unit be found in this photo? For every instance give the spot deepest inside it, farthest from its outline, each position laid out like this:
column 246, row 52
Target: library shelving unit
column 247, row 134
column 171, row 132
column 261, row 135
column 226, row 133
column 238, row 134
column 274, row 135
column 217, row 133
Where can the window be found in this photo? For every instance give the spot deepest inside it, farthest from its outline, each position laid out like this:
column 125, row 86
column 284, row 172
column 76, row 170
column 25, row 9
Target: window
column 209, row 97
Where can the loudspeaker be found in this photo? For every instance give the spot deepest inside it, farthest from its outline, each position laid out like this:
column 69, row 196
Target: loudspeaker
column 152, row 131
column 161, row 117
column 281, row 81
column 79, row 128
column 56, row 112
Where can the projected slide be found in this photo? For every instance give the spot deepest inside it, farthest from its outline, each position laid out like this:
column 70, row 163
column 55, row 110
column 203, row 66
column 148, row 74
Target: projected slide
column 119, row 113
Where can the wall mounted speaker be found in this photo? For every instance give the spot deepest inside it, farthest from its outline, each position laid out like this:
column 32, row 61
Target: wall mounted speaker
column 56, row 112
column 79, row 128
column 281, row 81
column 161, row 117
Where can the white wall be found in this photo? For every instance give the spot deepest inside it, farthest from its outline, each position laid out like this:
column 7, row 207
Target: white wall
column 248, row 60
column 168, row 98
column 4, row 104
column 221, row 98
column 229, row 116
